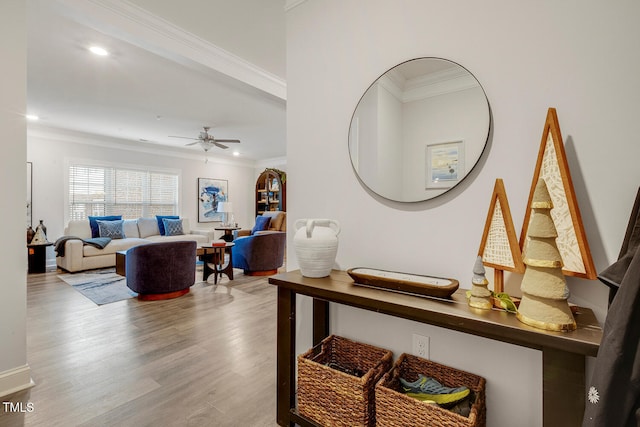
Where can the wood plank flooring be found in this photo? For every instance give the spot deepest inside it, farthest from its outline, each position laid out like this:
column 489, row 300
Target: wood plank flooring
column 204, row 359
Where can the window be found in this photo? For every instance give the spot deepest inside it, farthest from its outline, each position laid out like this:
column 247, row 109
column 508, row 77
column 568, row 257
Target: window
column 132, row 193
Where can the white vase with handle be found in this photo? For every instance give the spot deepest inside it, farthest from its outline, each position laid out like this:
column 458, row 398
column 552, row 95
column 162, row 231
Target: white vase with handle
column 316, row 245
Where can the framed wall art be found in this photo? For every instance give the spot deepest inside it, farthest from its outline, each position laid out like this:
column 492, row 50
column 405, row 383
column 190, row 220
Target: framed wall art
column 444, row 164
column 210, row 193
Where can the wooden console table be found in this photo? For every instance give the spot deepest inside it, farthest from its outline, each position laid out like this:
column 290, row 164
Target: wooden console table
column 563, row 353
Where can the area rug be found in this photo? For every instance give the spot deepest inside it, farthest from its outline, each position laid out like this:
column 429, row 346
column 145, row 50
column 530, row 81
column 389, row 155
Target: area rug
column 100, row 286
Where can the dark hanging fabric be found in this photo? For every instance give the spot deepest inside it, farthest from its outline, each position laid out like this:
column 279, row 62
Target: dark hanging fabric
column 613, row 396
column 612, row 276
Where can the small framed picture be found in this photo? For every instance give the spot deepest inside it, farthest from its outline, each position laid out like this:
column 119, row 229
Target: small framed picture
column 210, row 193
column 444, row 164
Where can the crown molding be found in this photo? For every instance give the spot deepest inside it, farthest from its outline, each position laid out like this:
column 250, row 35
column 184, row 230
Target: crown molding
column 76, row 137
column 290, row 4
column 127, row 21
column 423, row 87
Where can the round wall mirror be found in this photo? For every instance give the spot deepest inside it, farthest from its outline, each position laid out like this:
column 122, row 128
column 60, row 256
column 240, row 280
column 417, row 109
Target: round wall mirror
column 419, row 130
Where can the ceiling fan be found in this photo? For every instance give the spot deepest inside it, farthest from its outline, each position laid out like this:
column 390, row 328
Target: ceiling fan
column 207, row 140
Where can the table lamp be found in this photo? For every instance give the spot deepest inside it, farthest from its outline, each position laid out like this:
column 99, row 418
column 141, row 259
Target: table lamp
column 226, row 208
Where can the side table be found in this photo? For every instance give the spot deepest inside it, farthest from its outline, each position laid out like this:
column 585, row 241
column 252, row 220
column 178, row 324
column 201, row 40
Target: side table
column 214, row 256
column 37, row 257
column 228, row 233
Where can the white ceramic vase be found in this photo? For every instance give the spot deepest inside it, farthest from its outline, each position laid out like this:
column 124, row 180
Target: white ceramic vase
column 316, row 245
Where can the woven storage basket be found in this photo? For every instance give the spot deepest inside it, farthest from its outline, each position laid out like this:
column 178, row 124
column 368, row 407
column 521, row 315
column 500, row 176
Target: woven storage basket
column 396, row 409
column 331, row 396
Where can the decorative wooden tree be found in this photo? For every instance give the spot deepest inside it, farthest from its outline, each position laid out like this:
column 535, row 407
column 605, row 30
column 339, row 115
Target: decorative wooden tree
column 544, row 289
column 499, row 247
column 480, row 295
column 552, row 166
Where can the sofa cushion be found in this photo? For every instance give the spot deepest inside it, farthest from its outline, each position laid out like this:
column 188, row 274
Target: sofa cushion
column 172, row 227
column 78, row 228
column 200, row 238
column 113, row 247
column 130, row 228
column 93, row 222
column 148, row 227
column 161, row 224
column 262, row 223
column 112, row 229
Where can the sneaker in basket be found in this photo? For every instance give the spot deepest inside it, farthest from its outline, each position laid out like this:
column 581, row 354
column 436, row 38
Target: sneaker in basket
column 426, row 388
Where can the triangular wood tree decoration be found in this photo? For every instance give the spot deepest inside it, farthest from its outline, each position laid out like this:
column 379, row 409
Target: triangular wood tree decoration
column 552, row 166
column 499, row 247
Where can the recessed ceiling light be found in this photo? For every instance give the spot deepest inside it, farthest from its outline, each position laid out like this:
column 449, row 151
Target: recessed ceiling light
column 99, row 50
column 32, row 117
column 236, row 153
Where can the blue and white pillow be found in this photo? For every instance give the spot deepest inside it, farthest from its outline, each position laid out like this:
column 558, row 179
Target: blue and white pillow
column 111, row 229
column 172, row 227
column 160, row 219
column 93, row 222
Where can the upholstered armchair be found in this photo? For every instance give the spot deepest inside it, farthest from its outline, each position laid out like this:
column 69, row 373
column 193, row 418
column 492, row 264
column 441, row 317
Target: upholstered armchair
column 277, row 221
column 161, row 270
column 260, row 254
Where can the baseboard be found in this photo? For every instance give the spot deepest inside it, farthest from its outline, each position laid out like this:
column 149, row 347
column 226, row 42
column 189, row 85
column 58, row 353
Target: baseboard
column 15, row 380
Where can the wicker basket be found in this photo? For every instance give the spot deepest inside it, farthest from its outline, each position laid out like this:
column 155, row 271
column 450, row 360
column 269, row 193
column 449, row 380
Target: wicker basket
column 336, row 382
column 396, row 409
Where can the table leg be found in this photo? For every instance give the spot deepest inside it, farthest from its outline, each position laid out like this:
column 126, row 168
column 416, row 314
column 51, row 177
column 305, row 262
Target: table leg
column 286, row 350
column 206, row 269
column 563, row 388
column 228, row 269
column 320, row 320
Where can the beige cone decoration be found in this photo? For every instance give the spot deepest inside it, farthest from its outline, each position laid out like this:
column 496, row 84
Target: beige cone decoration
column 480, row 295
column 544, row 289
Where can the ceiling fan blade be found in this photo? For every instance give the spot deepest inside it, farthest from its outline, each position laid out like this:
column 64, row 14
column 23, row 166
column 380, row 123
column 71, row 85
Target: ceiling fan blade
column 228, row 140
column 192, row 143
column 220, row 145
column 183, row 137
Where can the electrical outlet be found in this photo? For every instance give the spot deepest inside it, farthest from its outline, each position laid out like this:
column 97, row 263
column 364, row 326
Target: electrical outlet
column 421, row 346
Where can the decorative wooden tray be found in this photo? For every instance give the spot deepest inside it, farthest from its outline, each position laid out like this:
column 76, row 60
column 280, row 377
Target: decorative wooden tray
column 404, row 282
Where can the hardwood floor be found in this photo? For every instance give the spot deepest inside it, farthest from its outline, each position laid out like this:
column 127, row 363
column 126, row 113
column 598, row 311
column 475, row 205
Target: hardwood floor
column 204, row 359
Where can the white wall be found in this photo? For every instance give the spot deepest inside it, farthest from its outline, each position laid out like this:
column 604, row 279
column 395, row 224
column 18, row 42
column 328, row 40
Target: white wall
column 50, row 152
column 581, row 59
column 14, row 370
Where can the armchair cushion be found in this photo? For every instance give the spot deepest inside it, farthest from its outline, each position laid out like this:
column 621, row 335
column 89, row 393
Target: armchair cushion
column 277, row 222
column 262, row 223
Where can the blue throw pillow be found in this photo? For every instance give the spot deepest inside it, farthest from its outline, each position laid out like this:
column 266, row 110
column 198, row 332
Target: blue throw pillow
column 262, row 223
column 94, row 224
column 172, row 227
column 112, row 229
column 161, row 224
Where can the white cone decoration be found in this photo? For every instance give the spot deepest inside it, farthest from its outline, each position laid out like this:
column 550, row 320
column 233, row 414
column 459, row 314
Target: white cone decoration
column 39, row 238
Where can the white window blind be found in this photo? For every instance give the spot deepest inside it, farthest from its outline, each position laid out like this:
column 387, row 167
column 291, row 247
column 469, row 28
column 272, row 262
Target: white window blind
column 100, row 190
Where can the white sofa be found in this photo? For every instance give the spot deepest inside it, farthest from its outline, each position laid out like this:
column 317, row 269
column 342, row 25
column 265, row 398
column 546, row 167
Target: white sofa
column 78, row 256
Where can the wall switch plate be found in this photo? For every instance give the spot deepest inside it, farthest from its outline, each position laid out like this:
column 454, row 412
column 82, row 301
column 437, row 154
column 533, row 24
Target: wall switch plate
column 421, row 346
